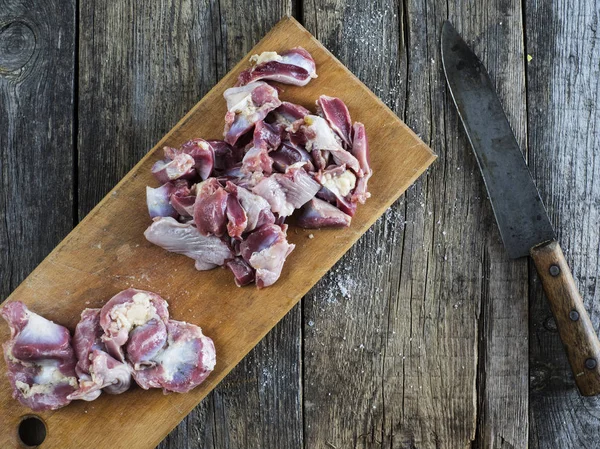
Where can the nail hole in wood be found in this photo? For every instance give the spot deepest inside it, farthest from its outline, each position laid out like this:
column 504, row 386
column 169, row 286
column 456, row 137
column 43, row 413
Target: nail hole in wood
column 590, row 363
column 574, row 315
column 554, row 270
column 32, row 431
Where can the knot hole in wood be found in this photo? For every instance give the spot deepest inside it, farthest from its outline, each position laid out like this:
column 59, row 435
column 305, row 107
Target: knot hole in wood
column 17, row 45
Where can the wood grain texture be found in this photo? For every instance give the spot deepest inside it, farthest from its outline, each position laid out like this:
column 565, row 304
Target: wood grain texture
column 495, row 31
column 345, row 318
column 572, row 320
column 159, row 80
column 562, row 80
column 259, row 403
column 440, row 311
column 36, row 133
column 110, row 242
column 132, row 89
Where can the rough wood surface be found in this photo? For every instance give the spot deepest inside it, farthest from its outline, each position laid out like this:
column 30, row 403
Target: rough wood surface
column 110, row 241
column 160, row 79
column 36, row 133
column 563, row 111
column 259, row 403
column 497, row 38
column 439, row 290
column 139, row 69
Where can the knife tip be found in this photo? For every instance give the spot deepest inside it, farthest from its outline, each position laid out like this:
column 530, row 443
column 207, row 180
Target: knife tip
column 448, row 29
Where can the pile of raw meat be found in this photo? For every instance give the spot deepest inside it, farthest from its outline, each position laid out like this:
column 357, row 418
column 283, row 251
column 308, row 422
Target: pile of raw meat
column 224, row 203
column 130, row 337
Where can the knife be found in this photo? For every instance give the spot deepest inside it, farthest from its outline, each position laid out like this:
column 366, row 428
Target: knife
column 523, row 221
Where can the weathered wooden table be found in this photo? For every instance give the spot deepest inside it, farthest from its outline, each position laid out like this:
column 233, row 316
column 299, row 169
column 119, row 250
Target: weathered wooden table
column 425, row 334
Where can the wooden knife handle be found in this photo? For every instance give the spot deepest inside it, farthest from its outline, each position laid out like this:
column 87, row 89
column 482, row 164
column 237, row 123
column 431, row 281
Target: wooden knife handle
column 573, row 322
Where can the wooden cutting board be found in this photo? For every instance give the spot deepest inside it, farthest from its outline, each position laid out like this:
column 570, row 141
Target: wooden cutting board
column 107, row 253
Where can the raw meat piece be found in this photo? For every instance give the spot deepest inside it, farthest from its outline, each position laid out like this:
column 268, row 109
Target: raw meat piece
column 295, row 67
column 210, row 208
column 337, row 180
column 273, row 193
column 287, row 113
column 257, row 159
column 320, row 214
column 183, row 238
column 243, row 274
column 321, row 158
column 127, row 311
column 266, row 136
column 360, row 150
column 319, row 136
column 299, row 186
column 226, row 156
column 96, row 369
column 247, row 105
column 258, row 211
column 266, row 250
column 337, row 115
column 87, row 337
column 237, row 218
column 340, row 182
column 346, row 205
column 183, row 205
column 106, row 374
column 40, row 359
column 289, row 191
column 300, row 57
column 181, row 166
column 326, row 195
column 158, row 201
column 183, row 199
column 186, row 360
column 145, row 341
column 288, row 155
column 202, row 153
column 242, row 178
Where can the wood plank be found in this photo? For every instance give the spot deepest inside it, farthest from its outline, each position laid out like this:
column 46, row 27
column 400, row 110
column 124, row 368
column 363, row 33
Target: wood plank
column 159, row 72
column 346, row 319
column 110, row 242
column 503, row 370
column 191, row 59
column 36, row 137
column 259, row 403
column 563, row 116
column 416, row 308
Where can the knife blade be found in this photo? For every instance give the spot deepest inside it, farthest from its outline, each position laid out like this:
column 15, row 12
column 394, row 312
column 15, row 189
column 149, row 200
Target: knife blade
column 519, row 211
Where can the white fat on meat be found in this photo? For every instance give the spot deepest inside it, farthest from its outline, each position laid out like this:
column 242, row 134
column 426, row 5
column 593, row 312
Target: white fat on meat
column 135, row 313
column 54, row 379
column 265, row 56
column 340, row 185
column 47, row 379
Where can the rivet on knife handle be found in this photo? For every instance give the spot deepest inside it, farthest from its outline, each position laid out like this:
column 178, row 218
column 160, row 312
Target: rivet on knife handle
column 574, row 326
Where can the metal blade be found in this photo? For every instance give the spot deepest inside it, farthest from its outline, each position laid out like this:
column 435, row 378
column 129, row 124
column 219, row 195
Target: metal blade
column 519, row 211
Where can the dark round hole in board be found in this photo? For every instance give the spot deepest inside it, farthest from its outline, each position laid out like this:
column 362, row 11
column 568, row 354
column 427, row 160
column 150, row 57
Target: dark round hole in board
column 32, row 431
